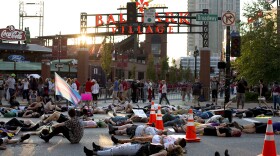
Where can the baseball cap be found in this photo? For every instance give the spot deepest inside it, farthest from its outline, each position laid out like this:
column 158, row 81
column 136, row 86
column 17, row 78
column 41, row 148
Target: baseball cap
column 13, row 75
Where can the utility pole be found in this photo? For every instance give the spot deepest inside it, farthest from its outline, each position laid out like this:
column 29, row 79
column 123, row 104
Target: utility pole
column 195, row 54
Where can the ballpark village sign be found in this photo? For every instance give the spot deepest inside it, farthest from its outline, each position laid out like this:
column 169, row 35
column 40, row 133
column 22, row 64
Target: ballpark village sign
column 165, row 22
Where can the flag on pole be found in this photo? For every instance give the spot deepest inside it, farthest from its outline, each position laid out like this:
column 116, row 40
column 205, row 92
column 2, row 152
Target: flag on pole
column 66, row 91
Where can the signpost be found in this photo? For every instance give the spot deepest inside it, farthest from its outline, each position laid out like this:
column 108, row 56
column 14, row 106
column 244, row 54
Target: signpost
column 58, row 65
column 228, row 19
column 206, row 17
column 149, row 16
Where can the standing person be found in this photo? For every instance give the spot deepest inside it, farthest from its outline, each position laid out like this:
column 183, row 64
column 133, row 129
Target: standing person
column 241, row 88
column 11, row 84
column 262, row 91
column 120, row 93
column 183, row 90
column 275, row 93
column 115, row 90
column 189, row 90
column 197, row 91
column 88, row 86
column 214, row 89
column 2, row 86
column 46, row 88
column 134, row 87
column 25, row 90
column 159, row 89
column 150, row 91
column 222, row 89
column 40, row 86
column 125, row 90
column 33, row 84
column 77, row 84
column 164, row 92
column 108, row 88
column 145, row 91
column 72, row 129
column 95, row 92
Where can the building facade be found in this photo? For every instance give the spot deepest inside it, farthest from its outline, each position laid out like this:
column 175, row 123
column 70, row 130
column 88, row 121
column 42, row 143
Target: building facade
column 216, row 29
column 189, row 62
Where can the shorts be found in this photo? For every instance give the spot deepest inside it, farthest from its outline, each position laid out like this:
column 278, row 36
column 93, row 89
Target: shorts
column 94, row 97
column 260, row 127
column 214, row 94
column 62, row 118
column 131, row 131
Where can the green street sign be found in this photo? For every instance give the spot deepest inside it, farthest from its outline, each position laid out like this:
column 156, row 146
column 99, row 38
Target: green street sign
column 206, row 17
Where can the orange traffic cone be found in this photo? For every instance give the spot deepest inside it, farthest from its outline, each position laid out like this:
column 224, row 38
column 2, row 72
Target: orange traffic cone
column 152, row 115
column 159, row 122
column 269, row 147
column 191, row 131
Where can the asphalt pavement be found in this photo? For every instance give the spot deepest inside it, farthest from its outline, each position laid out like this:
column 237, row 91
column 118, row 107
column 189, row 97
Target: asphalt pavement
column 246, row 145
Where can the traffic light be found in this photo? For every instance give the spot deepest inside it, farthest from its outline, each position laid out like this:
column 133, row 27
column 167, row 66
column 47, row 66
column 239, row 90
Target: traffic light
column 235, row 46
column 131, row 12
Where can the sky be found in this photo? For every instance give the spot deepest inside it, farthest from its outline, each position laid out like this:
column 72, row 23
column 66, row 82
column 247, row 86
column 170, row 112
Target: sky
column 64, row 16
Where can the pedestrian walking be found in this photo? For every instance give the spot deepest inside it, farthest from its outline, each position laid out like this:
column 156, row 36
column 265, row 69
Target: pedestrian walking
column 164, row 92
column 197, row 91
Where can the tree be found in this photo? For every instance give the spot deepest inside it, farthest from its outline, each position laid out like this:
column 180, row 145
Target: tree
column 164, row 67
column 259, row 45
column 106, row 57
column 173, row 72
column 151, row 70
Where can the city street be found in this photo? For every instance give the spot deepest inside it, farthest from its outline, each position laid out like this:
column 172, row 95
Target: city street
column 246, row 145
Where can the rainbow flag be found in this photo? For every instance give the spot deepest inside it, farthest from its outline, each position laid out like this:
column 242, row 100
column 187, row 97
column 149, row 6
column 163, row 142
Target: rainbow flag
column 64, row 90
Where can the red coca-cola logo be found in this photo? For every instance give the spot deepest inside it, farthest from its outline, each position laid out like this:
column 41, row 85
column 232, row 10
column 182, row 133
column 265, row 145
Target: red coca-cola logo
column 10, row 33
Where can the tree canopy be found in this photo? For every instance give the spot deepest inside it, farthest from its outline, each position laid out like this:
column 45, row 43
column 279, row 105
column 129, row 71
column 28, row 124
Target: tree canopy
column 260, row 51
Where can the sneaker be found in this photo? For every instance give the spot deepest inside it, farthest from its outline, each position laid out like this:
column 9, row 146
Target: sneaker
column 87, row 151
column 114, row 139
column 24, row 137
column 44, row 137
column 95, row 147
column 111, row 129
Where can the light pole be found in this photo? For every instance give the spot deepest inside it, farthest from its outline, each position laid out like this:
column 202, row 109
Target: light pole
column 195, row 54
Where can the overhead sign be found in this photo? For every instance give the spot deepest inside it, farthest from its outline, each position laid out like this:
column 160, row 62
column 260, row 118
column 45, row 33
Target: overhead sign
column 228, row 18
column 12, row 34
column 58, row 65
column 206, row 17
column 149, row 15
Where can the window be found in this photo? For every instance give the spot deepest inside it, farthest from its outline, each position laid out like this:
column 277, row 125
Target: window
column 156, row 48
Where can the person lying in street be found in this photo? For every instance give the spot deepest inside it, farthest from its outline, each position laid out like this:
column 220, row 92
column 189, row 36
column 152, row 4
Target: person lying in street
column 259, row 127
column 165, row 140
column 5, row 139
column 135, row 130
column 72, row 129
column 219, row 131
column 136, row 149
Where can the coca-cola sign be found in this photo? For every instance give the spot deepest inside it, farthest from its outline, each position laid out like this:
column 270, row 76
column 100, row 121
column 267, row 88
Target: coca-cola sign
column 10, row 33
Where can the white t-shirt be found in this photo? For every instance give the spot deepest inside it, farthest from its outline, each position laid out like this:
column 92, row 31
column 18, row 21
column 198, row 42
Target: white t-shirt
column 167, row 140
column 95, row 88
column 214, row 119
column 25, row 85
column 148, row 130
column 11, row 83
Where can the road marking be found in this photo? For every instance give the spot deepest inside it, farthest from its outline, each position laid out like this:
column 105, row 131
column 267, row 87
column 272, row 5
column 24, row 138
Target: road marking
column 250, row 120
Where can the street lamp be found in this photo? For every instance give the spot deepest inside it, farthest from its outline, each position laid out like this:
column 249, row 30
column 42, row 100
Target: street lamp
column 195, row 54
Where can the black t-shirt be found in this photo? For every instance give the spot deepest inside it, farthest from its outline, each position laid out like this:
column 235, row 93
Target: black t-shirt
column 211, row 131
column 196, row 87
column 241, row 86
